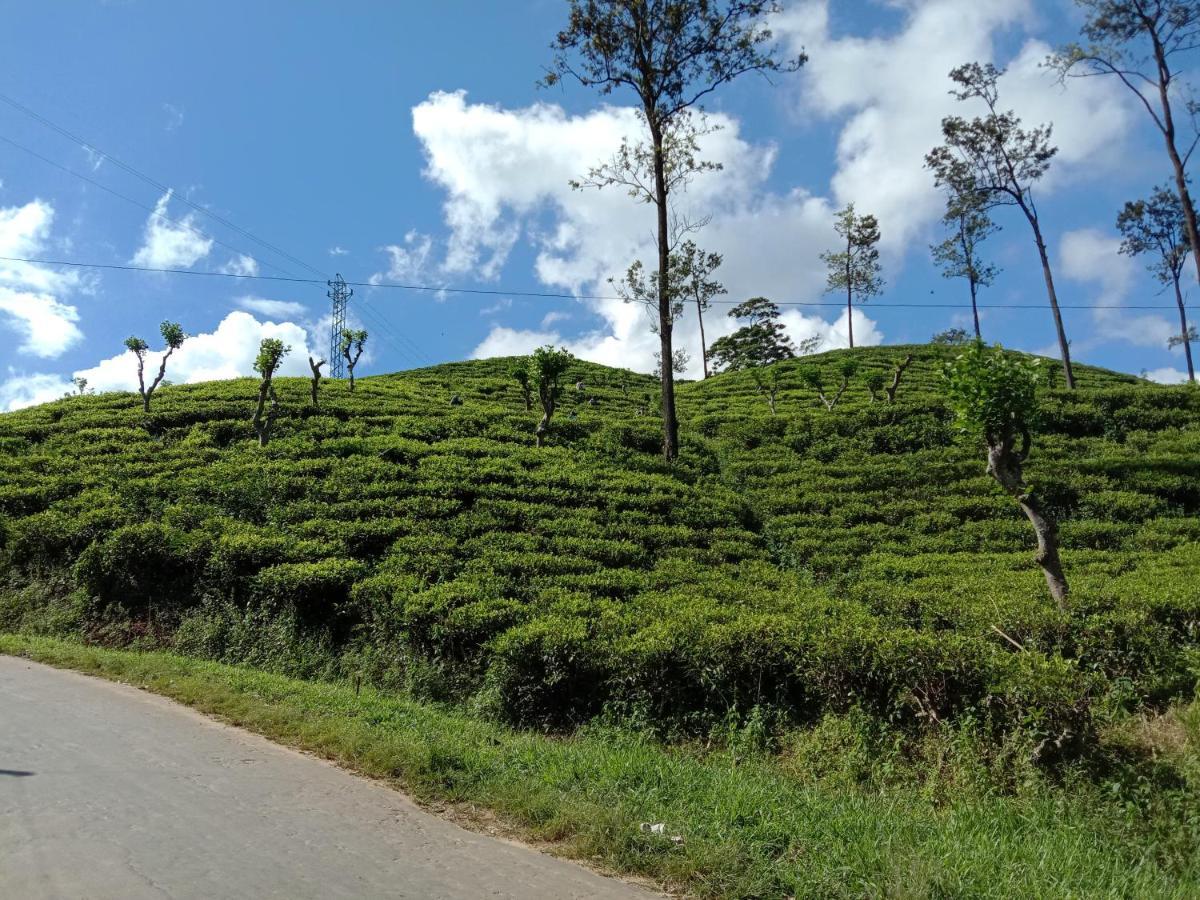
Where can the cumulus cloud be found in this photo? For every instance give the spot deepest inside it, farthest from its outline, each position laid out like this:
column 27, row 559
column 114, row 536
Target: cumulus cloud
column 226, row 352
column 506, row 173
column 272, row 309
column 20, row 389
column 407, row 262
column 241, row 265
column 31, row 301
column 892, row 92
column 1091, row 256
column 170, row 244
column 1167, row 376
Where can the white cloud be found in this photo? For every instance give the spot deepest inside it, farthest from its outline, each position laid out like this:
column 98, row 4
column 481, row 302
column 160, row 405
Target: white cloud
column 170, row 245
column 1091, row 256
column 409, row 261
column 273, row 309
column 20, row 389
column 30, row 295
column 506, row 173
column 338, row 251
column 241, row 265
column 551, row 317
column 501, row 305
column 174, row 117
column 892, row 92
column 226, row 352
column 1167, row 376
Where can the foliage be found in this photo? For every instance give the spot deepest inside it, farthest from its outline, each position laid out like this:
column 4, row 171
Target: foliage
column 855, row 270
column 951, row 337
column 173, row 336
column 761, row 342
column 350, row 343
column 958, row 256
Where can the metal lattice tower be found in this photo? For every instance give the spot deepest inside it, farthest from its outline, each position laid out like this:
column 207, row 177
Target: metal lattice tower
column 340, row 295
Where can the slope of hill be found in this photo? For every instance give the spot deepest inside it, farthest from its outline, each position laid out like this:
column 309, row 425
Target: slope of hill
column 790, row 566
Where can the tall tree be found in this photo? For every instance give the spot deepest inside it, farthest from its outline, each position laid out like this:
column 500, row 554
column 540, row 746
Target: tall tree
column 855, row 270
column 351, row 345
column 173, row 336
column 959, row 255
column 994, row 395
column 270, row 357
column 1140, row 42
column 671, row 54
column 1157, row 226
column 698, row 286
column 762, row 341
column 994, row 158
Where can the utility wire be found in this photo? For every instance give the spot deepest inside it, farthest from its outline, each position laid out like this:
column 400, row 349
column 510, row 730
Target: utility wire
column 545, row 295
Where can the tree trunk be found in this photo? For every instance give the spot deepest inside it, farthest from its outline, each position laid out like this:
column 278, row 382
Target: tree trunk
column 1063, row 346
column 849, row 304
column 1168, row 132
column 1183, row 331
column 351, row 370
column 1005, row 465
column 665, row 323
column 703, row 345
column 145, row 402
column 975, row 307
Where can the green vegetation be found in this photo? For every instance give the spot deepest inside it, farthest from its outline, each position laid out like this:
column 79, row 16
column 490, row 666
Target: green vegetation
column 841, row 600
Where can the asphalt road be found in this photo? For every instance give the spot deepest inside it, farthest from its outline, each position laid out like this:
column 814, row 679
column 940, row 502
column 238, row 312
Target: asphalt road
column 110, row 792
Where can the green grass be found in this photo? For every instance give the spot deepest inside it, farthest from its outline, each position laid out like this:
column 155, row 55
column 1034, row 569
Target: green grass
column 801, row 823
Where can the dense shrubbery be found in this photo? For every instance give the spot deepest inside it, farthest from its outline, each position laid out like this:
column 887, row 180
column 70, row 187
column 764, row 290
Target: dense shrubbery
column 788, row 566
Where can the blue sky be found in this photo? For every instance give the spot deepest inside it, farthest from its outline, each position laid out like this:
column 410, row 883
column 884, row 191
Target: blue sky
column 408, row 142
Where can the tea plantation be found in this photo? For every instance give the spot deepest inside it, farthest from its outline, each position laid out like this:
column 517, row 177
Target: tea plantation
column 789, row 567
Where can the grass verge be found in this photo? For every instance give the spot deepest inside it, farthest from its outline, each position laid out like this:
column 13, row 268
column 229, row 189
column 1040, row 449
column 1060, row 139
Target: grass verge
column 750, row 828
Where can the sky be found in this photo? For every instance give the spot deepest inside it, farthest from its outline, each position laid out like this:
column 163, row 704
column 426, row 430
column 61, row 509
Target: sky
column 405, row 143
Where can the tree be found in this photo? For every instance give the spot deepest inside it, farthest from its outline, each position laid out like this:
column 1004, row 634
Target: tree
column 351, row 346
column 958, row 255
column 994, row 395
column 996, row 160
column 698, row 286
column 546, row 368
column 1140, row 43
column 173, row 336
column 876, row 382
column 81, row 386
column 761, row 342
column 270, row 357
column 855, row 270
column 768, row 384
column 901, row 368
column 847, row 369
column 951, row 337
column 520, row 372
column 680, row 360
column 315, row 381
column 1158, row 226
column 671, row 54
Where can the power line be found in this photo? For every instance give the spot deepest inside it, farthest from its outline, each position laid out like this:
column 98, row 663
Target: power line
column 547, row 295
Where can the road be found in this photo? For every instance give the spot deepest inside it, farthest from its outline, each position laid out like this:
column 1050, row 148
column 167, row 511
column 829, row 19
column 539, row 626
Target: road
column 110, row 792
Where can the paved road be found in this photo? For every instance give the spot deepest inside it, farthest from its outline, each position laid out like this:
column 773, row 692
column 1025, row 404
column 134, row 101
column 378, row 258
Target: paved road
column 109, row 792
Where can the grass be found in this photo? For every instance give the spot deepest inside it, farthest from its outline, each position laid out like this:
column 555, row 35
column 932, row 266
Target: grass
column 799, row 823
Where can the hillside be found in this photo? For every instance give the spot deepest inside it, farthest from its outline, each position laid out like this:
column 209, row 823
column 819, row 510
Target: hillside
column 788, row 566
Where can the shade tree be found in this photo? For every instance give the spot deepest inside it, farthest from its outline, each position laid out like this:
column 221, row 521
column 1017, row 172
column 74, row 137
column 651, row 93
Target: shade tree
column 959, row 255
column 547, row 366
column 854, row 269
column 995, row 159
column 761, row 341
column 173, row 336
column 671, row 55
column 994, row 395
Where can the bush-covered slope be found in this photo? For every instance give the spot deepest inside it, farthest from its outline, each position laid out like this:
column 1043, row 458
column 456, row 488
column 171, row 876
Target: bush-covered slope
column 787, row 566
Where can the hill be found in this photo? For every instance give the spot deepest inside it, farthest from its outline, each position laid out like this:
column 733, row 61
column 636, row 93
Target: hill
column 789, row 566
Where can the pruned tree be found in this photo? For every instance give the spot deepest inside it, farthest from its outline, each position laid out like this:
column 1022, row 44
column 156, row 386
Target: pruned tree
column 520, row 373
column 901, row 368
column 876, row 382
column 270, row 357
column 767, row 380
column 811, row 376
column 959, row 255
column 995, row 398
column 351, row 346
column 314, row 384
column 546, row 368
column 1143, row 43
column 762, row 341
column 994, row 159
column 671, row 54
column 1157, row 227
column 173, row 336
column 854, row 270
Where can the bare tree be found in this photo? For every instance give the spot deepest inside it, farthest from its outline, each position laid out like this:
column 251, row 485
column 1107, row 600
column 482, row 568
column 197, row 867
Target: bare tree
column 671, row 54
column 994, row 158
column 173, row 336
column 1140, row 42
column 1158, row 226
column 901, row 368
column 855, row 269
column 270, row 357
column 315, row 381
